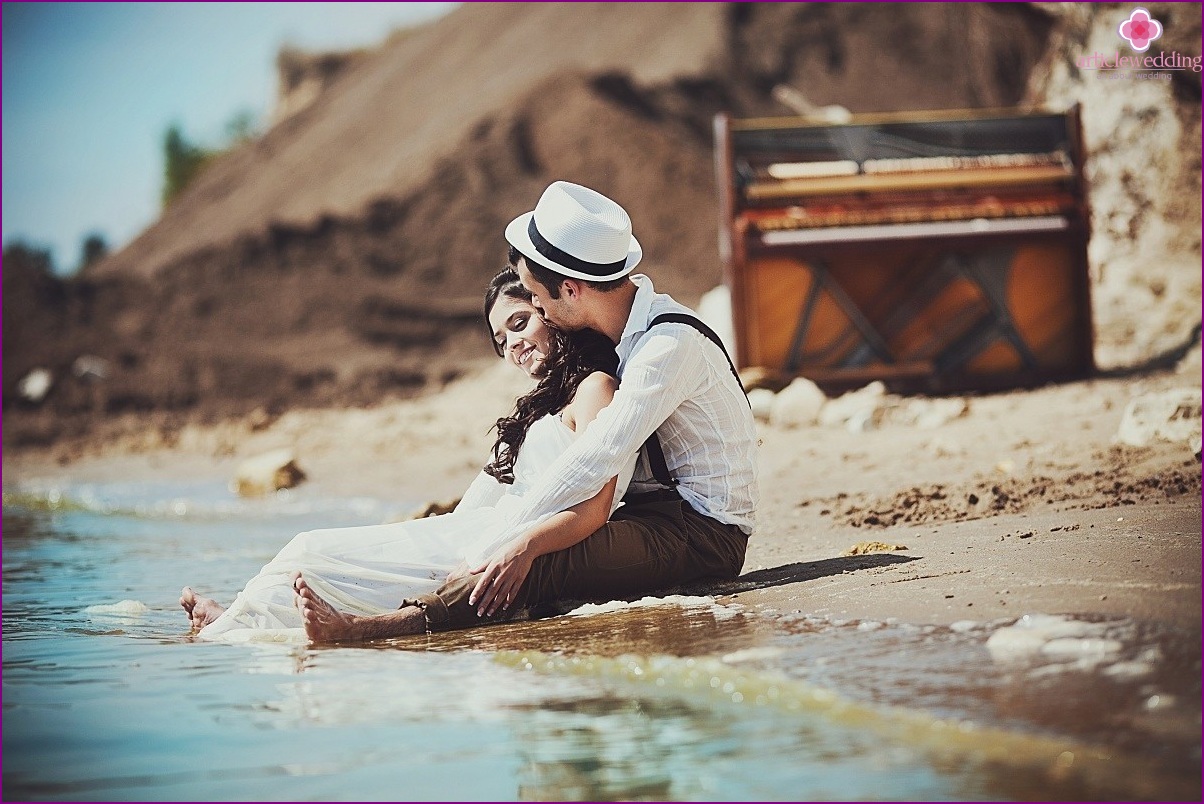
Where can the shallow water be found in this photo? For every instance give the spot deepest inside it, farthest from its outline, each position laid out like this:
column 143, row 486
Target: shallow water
column 105, row 699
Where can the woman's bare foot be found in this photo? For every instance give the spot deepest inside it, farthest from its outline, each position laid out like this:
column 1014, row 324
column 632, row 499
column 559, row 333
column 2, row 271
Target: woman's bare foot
column 324, row 625
column 201, row 610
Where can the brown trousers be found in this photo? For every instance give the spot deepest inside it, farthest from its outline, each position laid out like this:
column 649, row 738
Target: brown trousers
column 655, row 541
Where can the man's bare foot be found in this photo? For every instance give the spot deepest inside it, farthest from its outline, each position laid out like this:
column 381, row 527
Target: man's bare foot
column 201, row 610
column 324, row 625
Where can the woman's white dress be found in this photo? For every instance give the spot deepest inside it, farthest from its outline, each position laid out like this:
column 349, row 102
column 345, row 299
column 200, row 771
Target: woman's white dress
column 370, row 569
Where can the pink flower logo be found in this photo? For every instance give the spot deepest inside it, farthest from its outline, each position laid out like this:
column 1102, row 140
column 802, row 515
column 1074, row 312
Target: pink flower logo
column 1140, row 29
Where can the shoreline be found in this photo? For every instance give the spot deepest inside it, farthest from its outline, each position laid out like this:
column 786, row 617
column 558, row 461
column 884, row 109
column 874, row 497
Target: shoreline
column 1024, row 482
column 1039, row 569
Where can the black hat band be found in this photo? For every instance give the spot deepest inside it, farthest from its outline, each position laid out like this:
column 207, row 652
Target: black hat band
column 562, row 257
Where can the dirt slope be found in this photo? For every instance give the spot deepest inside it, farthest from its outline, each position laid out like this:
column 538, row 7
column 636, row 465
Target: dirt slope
column 381, row 128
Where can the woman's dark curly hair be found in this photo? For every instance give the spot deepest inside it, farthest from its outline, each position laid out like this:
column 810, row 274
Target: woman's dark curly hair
column 574, row 356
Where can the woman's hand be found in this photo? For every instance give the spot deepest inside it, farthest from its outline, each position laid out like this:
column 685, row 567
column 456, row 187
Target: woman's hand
column 502, row 578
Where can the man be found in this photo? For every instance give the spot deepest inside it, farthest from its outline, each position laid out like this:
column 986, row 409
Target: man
column 691, row 506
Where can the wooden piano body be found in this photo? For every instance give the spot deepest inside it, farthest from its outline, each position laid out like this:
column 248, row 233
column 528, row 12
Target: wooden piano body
column 942, row 251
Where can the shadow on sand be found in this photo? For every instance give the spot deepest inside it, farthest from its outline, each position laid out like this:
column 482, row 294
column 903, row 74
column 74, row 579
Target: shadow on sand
column 758, row 579
column 799, row 572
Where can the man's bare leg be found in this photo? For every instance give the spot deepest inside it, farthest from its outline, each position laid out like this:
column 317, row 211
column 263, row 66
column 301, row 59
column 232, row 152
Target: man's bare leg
column 201, row 610
column 325, row 625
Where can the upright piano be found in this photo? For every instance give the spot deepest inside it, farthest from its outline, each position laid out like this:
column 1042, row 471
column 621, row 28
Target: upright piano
column 938, row 251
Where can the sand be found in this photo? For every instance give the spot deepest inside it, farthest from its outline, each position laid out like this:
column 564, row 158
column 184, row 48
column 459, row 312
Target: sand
column 1024, row 504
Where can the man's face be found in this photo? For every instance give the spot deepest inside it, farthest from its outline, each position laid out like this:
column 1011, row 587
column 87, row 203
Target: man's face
column 561, row 313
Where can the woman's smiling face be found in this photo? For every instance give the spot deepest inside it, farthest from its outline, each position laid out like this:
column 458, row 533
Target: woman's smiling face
column 520, row 334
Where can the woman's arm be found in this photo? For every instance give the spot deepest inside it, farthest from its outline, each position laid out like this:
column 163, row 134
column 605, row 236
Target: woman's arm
column 504, row 574
column 594, row 393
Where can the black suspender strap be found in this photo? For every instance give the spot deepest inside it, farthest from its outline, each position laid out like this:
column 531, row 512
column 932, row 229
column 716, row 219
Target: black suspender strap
column 696, row 323
column 656, row 462
column 652, row 447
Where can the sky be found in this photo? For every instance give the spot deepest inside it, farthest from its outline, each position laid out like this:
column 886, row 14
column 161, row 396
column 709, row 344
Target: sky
column 90, row 89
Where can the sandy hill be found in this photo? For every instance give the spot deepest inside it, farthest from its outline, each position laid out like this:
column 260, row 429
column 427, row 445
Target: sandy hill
column 338, row 259
column 380, row 130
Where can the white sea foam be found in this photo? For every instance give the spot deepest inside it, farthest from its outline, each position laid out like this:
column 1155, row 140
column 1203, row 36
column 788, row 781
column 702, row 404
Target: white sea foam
column 1068, row 644
column 590, row 609
column 1130, row 670
column 291, row 636
column 124, row 608
column 751, row 655
column 1087, row 647
column 177, row 500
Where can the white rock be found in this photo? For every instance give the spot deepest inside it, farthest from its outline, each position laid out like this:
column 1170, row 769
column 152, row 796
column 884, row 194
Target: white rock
column 761, row 401
column 929, row 414
column 1167, row 416
column 715, row 310
column 857, row 410
column 797, row 405
column 267, row 473
column 35, row 385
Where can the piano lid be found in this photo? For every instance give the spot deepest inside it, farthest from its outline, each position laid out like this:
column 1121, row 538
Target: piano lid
column 766, row 154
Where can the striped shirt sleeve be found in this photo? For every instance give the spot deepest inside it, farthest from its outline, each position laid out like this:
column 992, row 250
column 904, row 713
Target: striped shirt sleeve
column 663, row 371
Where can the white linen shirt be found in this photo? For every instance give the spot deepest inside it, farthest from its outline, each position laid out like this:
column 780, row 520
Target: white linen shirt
column 675, row 381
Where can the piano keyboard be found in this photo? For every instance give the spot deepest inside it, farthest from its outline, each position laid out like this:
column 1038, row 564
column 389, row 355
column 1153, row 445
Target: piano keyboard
column 908, row 231
column 838, row 215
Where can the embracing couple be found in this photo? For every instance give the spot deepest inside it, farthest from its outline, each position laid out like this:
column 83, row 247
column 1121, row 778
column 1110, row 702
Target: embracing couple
column 628, row 469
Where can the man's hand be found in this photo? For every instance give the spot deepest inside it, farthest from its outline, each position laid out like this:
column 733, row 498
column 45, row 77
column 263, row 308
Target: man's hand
column 502, row 577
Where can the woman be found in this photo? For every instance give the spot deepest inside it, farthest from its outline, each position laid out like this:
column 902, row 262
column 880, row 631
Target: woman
column 369, row 570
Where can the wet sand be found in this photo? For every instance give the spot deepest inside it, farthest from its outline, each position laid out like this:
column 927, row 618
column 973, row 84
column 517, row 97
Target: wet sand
column 1023, row 504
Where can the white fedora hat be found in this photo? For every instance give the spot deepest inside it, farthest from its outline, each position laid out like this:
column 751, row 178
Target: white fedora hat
column 577, row 232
